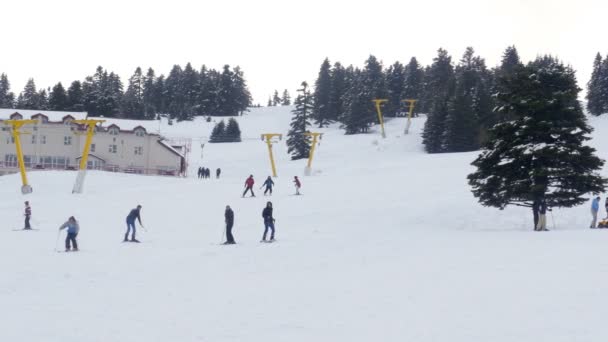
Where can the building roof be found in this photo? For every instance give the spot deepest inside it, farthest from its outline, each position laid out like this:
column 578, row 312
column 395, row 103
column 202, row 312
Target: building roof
column 53, row 116
column 170, row 148
column 151, row 126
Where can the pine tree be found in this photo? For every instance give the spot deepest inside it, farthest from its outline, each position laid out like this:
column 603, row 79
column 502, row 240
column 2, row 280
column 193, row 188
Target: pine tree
column 321, row 96
column 395, row 81
column 175, row 93
column 594, row 101
column 374, row 87
column 190, row 84
column 602, row 89
column 337, row 92
column 29, row 97
column 58, row 99
column 413, row 84
column 218, row 134
column 276, row 100
column 240, row 92
column 75, row 97
column 233, row 131
column 43, row 100
column 285, row 99
column 356, row 107
column 440, row 86
column 149, row 93
column 542, row 152
column 133, row 99
column 298, row 144
column 7, row 98
column 269, row 104
column 226, row 104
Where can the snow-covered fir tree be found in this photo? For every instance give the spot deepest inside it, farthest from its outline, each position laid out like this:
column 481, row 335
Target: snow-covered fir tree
column 597, row 98
column 7, row 98
column 29, row 97
column 395, row 80
column 75, row 97
column 58, row 98
column 337, row 91
column 148, row 95
column 413, row 83
column 321, row 110
column 298, row 144
column 233, row 131
column 133, row 100
column 276, row 99
column 286, row 98
column 218, row 134
column 542, row 152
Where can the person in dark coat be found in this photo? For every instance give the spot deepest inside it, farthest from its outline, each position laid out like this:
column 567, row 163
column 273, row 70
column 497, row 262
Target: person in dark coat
column 73, row 229
column 133, row 215
column 200, row 172
column 28, row 215
column 217, row 173
column 268, row 183
column 249, row 186
column 542, row 217
column 535, row 208
column 268, row 222
column 229, row 216
column 297, row 183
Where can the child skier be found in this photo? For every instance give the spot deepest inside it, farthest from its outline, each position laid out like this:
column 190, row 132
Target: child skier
column 229, row 217
column 297, row 183
column 268, row 222
column 269, row 184
column 73, row 229
column 249, row 186
column 27, row 214
column 133, row 215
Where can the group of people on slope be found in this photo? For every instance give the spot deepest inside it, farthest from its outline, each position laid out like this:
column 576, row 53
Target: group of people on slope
column 268, row 224
column 206, row 173
column 269, row 184
column 595, row 208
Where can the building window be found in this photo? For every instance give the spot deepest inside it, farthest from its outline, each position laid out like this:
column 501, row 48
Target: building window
column 112, row 149
column 140, row 133
column 92, row 147
column 67, row 140
column 113, row 131
column 43, row 139
column 139, row 150
column 33, row 139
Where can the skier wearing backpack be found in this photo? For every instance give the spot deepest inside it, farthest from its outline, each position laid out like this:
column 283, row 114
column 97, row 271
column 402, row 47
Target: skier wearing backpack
column 133, row 215
column 73, row 229
column 297, row 183
column 28, row 215
column 249, row 186
column 269, row 184
column 268, row 222
column 229, row 217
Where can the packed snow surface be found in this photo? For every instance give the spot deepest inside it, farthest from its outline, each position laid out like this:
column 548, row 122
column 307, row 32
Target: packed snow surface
column 386, row 244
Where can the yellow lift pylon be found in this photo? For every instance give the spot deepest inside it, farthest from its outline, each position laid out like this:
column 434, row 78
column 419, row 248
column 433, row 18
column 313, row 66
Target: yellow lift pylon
column 16, row 133
column 411, row 103
column 268, row 138
column 82, row 169
column 315, row 138
column 379, row 103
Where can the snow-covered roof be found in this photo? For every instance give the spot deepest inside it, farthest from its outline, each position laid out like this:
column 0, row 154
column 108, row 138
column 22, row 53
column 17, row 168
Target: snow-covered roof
column 170, row 148
column 54, row 116
column 151, row 126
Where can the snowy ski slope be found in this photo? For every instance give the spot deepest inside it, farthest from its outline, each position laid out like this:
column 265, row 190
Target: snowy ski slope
column 386, row 244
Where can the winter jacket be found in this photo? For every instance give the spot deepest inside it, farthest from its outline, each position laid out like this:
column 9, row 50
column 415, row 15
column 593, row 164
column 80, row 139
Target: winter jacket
column 297, row 181
column 267, row 214
column 229, row 215
column 71, row 226
column 249, row 182
column 28, row 211
column 595, row 205
column 134, row 214
column 269, row 183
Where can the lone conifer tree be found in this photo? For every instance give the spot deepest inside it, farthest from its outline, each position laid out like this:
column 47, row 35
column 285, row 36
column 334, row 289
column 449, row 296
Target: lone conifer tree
column 233, row 132
column 298, row 144
column 541, row 152
column 218, row 134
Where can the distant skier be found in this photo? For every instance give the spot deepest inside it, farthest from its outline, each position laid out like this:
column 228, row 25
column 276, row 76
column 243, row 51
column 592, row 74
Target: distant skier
column 207, row 173
column 542, row 218
column 28, row 215
column 73, row 229
column 297, row 183
column 200, row 172
column 595, row 207
column 133, row 215
column 606, row 207
column 218, row 171
column 268, row 222
column 268, row 183
column 249, row 186
column 229, row 216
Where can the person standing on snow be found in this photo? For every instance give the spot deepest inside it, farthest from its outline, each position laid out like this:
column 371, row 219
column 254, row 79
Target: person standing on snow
column 595, row 207
column 249, row 186
column 28, row 215
column 133, row 215
column 269, row 184
column 535, row 209
column 229, row 217
column 542, row 218
column 297, row 183
column 606, row 207
column 73, row 229
column 268, row 222
column 218, row 171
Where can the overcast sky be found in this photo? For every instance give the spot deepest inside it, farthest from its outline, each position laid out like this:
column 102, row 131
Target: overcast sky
column 280, row 43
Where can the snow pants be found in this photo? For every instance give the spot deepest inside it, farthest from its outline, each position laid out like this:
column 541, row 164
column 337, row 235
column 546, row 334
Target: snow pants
column 542, row 222
column 268, row 188
column 71, row 238
column 130, row 225
column 249, row 188
column 268, row 224
column 229, row 237
column 594, row 220
column 27, row 222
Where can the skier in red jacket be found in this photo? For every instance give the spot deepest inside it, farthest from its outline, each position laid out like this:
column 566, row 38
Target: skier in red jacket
column 249, row 186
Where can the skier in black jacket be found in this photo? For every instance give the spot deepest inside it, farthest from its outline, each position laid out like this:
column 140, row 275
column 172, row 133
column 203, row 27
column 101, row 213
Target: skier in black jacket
column 268, row 222
column 229, row 216
column 133, row 215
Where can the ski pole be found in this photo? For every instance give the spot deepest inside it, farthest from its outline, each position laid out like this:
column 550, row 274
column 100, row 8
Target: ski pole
column 144, row 228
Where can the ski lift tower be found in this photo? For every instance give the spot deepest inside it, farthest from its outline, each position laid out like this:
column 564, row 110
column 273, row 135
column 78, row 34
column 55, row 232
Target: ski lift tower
column 411, row 103
column 82, row 170
column 268, row 137
column 15, row 131
column 379, row 103
column 315, row 138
